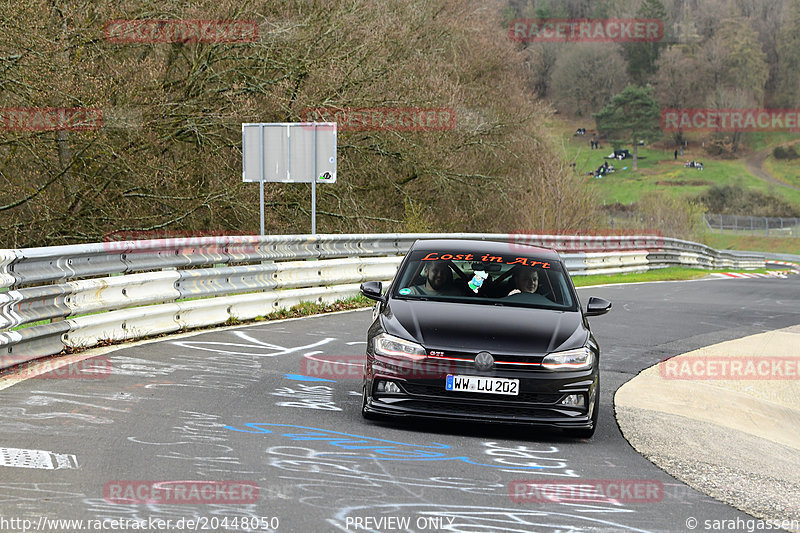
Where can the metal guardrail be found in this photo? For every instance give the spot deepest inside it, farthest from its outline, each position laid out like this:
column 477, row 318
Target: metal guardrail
column 126, row 290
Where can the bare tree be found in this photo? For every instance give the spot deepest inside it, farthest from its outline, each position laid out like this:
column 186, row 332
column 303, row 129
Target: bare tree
column 168, row 154
column 586, row 76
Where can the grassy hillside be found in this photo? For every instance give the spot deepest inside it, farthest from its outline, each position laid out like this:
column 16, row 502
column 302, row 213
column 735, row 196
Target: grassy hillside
column 661, row 176
column 659, row 172
column 786, row 171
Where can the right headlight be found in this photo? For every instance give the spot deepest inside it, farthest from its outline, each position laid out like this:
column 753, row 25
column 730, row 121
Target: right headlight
column 392, row 346
column 569, row 359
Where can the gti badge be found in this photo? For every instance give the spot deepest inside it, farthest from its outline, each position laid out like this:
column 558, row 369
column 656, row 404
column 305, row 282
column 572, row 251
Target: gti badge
column 484, row 361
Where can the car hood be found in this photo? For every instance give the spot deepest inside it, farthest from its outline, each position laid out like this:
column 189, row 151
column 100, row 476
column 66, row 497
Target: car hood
column 497, row 329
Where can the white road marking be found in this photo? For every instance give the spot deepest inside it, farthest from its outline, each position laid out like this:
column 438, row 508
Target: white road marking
column 41, row 459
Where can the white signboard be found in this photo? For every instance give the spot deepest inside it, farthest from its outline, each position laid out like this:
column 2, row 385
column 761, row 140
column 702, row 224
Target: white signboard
column 299, row 152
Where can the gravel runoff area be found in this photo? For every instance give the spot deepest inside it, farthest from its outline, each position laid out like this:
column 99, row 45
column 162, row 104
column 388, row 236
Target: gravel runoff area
column 735, row 439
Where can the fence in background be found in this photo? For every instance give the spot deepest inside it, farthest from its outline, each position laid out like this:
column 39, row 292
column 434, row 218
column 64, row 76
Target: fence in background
column 749, row 225
column 80, row 295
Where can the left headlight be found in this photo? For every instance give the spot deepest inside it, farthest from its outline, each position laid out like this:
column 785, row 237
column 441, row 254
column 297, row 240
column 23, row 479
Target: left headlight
column 392, row 346
column 569, row 359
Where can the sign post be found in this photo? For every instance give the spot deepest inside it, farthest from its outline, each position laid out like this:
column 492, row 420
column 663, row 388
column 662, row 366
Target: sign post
column 295, row 152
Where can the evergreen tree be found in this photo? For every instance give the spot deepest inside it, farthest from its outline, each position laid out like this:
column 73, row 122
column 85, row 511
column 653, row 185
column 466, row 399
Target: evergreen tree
column 632, row 115
column 642, row 56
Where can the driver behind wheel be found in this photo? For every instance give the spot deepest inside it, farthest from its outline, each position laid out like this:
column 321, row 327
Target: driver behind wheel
column 438, row 281
column 525, row 280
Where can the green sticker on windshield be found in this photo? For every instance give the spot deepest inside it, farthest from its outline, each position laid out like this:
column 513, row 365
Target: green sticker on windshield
column 405, row 291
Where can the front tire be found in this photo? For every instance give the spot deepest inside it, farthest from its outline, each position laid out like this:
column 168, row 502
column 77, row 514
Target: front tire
column 364, row 413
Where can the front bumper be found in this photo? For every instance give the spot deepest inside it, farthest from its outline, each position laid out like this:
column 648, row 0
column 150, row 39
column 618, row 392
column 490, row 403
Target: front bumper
column 538, row 403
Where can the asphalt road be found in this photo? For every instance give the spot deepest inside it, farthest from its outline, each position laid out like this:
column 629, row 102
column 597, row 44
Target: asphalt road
column 230, row 405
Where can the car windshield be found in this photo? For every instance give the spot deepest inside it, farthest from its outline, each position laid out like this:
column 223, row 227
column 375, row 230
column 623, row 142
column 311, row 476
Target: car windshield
column 484, row 278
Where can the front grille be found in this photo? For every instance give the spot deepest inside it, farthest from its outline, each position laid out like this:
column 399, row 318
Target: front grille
column 501, row 361
column 468, row 408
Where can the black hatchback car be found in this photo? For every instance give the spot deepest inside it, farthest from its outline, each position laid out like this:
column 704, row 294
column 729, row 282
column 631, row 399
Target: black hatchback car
column 483, row 331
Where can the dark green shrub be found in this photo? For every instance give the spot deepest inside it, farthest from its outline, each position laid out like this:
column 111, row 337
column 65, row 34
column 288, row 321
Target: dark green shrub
column 785, row 152
column 736, row 200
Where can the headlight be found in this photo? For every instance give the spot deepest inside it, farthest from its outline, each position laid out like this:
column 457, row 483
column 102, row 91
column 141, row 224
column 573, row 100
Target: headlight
column 569, row 359
column 392, row 346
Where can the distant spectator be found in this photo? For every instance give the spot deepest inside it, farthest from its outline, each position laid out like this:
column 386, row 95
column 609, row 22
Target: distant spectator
column 676, row 154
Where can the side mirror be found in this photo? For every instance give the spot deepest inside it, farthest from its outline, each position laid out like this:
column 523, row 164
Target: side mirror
column 372, row 290
column 597, row 306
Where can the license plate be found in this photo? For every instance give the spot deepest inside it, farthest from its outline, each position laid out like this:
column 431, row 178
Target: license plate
column 509, row 387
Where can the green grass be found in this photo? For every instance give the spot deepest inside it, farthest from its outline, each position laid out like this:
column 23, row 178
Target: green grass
column 313, row 308
column 784, row 170
column 662, row 274
column 659, row 171
column 778, row 245
column 760, row 140
column 301, row 309
column 37, row 323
